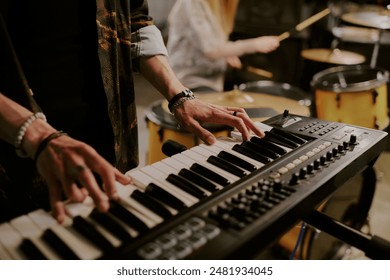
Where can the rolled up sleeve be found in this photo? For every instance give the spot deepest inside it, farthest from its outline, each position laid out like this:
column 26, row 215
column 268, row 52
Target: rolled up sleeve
column 147, row 41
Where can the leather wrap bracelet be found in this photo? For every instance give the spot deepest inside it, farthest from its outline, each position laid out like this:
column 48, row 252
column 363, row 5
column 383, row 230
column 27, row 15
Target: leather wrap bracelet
column 46, row 141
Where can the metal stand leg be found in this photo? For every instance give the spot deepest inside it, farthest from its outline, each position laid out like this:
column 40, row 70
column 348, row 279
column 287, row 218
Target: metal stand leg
column 373, row 246
column 375, row 52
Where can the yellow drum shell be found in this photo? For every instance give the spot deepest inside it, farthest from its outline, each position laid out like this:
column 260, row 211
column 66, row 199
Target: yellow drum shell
column 352, row 94
column 355, row 108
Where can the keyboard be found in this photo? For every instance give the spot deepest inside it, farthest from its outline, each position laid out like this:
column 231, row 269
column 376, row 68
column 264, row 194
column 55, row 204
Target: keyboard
column 229, row 200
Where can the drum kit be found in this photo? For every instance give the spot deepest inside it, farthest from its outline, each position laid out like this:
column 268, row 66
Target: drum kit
column 349, row 85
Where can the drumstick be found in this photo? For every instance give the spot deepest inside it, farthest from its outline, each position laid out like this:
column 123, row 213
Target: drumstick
column 258, row 71
column 305, row 24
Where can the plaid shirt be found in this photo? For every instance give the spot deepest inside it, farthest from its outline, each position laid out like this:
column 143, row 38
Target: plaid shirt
column 125, row 32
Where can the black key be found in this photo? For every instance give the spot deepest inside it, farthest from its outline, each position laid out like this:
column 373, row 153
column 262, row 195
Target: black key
column 237, row 161
column 58, row 245
column 164, row 196
column 111, row 225
column 186, row 186
column 209, row 174
column 260, row 150
column 278, row 139
column 91, row 233
column 127, row 217
column 288, row 135
column 151, row 203
column 198, row 179
column 247, row 152
column 224, row 165
column 269, row 145
column 31, row 251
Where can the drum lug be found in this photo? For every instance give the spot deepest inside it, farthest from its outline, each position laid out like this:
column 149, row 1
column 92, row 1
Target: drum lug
column 160, row 133
column 376, row 124
column 374, row 96
column 338, row 99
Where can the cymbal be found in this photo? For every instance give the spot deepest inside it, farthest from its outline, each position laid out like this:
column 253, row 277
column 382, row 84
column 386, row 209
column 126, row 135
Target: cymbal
column 374, row 19
column 259, row 106
column 356, row 34
column 335, row 56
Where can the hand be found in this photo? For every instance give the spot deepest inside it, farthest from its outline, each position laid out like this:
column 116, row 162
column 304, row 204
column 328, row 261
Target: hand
column 264, row 44
column 192, row 113
column 234, row 62
column 67, row 165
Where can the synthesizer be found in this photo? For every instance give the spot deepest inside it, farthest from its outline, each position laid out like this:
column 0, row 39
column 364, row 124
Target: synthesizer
column 229, row 200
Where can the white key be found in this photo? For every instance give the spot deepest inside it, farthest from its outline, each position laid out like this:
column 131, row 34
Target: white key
column 176, row 164
column 28, row 229
column 4, row 255
column 165, row 168
column 84, row 249
column 11, row 239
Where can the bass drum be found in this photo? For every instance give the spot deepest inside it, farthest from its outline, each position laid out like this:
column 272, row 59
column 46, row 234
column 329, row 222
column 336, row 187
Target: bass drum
column 352, row 94
column 162, row 126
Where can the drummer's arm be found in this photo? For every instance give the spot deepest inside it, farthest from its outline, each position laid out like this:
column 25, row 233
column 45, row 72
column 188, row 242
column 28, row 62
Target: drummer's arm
column 262, row 44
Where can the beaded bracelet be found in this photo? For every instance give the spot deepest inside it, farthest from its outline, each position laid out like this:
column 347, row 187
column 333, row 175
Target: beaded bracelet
column 22, row 131
column 46, row 141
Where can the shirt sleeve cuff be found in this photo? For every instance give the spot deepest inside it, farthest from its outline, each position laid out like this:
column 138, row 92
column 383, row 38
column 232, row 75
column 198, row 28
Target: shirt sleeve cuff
column 147, row 41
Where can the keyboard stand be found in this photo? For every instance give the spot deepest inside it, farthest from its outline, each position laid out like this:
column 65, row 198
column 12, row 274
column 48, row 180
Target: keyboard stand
column 373, row 246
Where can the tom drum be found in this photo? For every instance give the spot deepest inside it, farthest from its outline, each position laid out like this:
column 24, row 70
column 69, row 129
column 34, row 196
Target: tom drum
column 352, row 94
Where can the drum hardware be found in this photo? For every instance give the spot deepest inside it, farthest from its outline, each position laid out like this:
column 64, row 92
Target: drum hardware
column 374, row 96
column 338, row 100
column 376, row 123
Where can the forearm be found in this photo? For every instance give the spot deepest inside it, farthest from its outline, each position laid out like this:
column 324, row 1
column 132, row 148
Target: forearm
column 158, row 72
column 236, row 48
column 12, row 117
column 263, row 44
